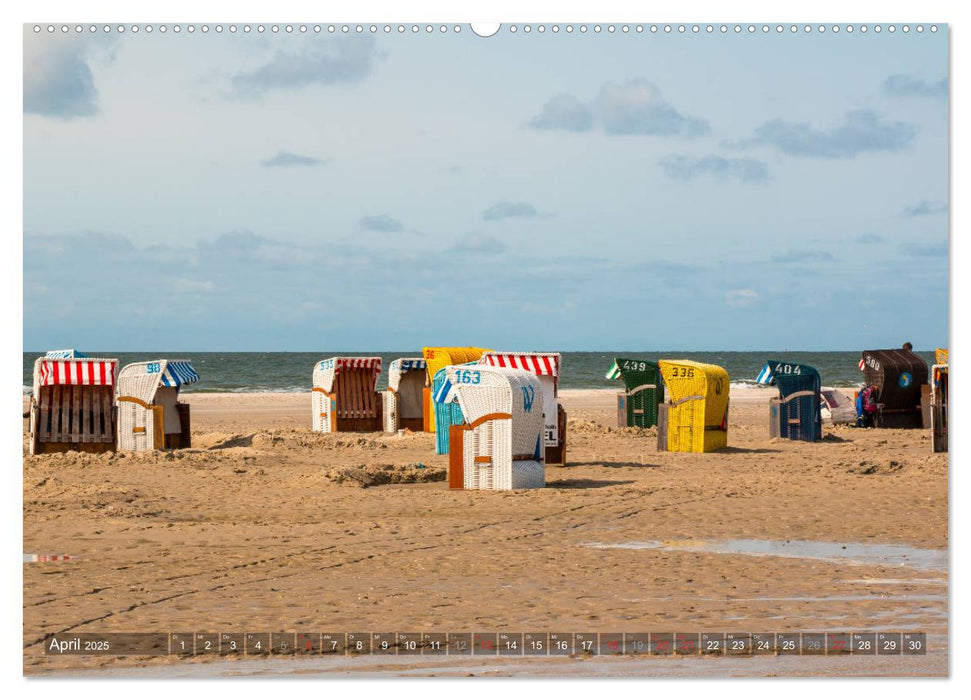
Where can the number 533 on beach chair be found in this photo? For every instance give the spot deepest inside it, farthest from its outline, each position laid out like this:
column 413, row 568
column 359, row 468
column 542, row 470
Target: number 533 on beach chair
column 500, row 444
column 345, row 397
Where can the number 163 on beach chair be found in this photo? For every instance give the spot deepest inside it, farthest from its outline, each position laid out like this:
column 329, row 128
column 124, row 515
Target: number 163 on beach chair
column 500, row 444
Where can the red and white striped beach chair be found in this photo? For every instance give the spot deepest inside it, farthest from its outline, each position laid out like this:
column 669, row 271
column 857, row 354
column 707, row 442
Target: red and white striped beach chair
column 546, row 366
column 345, row 398
column 73, row 405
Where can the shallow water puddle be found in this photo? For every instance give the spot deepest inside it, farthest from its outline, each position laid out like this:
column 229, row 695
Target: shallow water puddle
column 839, row 552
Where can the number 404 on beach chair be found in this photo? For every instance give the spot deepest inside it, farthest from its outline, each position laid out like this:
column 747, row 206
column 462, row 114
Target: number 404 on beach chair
column 150, row 415
column 345, row 396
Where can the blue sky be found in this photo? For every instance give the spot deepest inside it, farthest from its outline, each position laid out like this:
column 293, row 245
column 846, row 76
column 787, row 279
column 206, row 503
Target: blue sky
column 288, row 192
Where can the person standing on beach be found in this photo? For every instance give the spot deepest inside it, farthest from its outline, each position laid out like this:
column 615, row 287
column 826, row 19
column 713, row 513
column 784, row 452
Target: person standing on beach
column 866, row 407
column 908, row 347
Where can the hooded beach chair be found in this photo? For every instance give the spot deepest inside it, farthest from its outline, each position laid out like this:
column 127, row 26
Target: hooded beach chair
column 446, row 409
column 898, row 375
column 637, row 405
column 405, row 400
column 500, row 444
column 695, row 418
column 939, row 401
column 73, row 404
column 150, row 415
column 438, row 358
column 344, row 396
column 546, row 366
column 796, row 414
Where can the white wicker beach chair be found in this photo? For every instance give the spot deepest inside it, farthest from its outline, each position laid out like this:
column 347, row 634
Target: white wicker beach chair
column 502, row 439
column 150, row 416
column 546, row 366
column 72, row 406
column 406, row 400
column 344, row 397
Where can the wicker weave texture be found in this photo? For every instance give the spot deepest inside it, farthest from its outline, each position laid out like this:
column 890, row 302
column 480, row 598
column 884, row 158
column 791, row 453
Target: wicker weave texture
column 505, row 406
column 136, row 427
column 697, row 417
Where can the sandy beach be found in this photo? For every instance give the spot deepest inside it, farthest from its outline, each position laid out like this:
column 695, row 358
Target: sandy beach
column 264, row 526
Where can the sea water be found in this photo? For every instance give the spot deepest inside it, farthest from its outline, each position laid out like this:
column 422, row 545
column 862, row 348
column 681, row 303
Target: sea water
column 291, row 371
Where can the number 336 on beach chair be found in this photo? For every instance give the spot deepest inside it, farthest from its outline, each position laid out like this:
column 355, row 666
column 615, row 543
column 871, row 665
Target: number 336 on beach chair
column 696, row 418
column 344, row 397
column 500, row 445
column 150, row 416
column 72, row 407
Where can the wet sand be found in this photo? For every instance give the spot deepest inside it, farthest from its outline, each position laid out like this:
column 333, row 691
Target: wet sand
column 258, row 528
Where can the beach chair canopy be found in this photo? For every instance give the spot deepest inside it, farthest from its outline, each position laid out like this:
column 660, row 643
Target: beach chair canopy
column 93, row 371
column 636, row 374
column 789, row 377
column 542, row 364
column 546, row 366
column 940, row 356
column 143, row 379
column 402, row 366
column 437, row 358
column 688, row 380
column 898, row 375
column 643, row 389
column 65, row 354
column 326, row 370
column 485, row 392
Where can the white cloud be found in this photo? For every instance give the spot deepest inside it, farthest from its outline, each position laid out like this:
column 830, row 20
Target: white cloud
column 741, row 298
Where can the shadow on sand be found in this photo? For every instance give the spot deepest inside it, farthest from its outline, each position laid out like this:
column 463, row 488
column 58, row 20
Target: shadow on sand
column 583, row 484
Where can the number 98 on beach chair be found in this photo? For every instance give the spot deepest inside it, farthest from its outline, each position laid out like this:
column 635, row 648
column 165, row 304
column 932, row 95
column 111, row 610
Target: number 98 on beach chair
column 500, row 445
column 345, row 396
column 150, row 415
